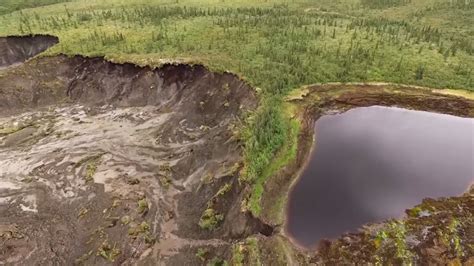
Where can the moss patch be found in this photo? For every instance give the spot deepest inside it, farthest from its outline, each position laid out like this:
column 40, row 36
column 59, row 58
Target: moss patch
column 210, row 219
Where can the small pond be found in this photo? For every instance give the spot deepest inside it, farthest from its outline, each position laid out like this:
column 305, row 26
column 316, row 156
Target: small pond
column 370, row 164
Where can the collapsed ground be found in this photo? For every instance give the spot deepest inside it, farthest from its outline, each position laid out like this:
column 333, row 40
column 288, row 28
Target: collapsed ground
column 99, row 161
column 104, row 162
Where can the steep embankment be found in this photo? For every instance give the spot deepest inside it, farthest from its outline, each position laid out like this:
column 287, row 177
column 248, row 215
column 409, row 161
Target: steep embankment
column 17, row 49
column 114, row 162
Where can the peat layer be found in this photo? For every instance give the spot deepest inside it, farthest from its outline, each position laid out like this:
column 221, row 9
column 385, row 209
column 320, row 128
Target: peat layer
column 114, row 163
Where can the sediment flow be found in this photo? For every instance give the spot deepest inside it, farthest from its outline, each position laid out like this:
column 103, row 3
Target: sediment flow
column 101, row 162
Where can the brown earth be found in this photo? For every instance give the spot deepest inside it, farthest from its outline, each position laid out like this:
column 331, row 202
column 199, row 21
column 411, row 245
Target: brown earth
column 107, row 163
column 17, row 49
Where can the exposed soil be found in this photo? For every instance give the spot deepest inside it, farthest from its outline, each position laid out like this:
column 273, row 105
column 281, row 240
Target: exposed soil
column 17, row 49
column 115, row 163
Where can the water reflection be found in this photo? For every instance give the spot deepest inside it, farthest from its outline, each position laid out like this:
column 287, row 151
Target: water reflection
column 370, row 164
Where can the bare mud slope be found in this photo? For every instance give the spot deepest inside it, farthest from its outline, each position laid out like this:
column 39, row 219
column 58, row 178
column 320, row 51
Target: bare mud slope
column 17, row 49
column 106, row 163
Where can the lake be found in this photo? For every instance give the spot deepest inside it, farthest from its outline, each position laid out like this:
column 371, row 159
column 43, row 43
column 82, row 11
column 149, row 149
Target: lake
column 370, row 164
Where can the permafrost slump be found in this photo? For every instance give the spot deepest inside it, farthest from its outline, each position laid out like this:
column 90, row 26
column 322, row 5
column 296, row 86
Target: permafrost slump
column 118, row 162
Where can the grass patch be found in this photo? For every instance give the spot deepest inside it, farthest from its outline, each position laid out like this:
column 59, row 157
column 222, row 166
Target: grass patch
column 91, row 168
column 8, row 6
column 216, row 261
column 125, row 220
column 223, row 190
column 142, row 206
column 91, row 163
column 82, row 212
column 452, row 240
column 108, row 251
column 210, row 219
column 238, row 255
column 202, row 253
column 141, row 230
column 246, row 252
column 254, row 251
column 394, row 237
column 278, row 157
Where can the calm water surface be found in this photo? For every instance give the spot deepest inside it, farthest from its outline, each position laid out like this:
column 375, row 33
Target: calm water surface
column 370, row 164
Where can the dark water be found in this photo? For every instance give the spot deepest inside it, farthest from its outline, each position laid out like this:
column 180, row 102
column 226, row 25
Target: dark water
column 370, row 164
